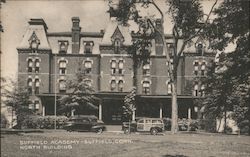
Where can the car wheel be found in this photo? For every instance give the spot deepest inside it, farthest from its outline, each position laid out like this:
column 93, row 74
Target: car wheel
column 99, row 130
column 126, row 131
column 153, row 131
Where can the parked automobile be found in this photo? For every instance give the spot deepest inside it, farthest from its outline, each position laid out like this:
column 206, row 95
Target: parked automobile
column 84, row 123
column 183, row 124
column 152, row 125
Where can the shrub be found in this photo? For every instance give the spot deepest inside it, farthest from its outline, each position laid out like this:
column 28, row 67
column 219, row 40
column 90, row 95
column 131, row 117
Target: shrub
column 244, row 127
column 4, row 121
column 208, row 125
column 44, row 122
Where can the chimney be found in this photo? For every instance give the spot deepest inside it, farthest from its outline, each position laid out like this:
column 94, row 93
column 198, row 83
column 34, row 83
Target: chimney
column 76, row 29
column 158, row 39
column 38, row 22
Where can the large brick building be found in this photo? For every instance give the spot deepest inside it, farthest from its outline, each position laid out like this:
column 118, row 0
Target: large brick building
column 48, row 59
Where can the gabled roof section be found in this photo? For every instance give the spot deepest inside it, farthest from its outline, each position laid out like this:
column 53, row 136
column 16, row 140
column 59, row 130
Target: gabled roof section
column 37, row 30
column 117, row 34
column 192, row 45
column 200, row 40
column 34, row 38
column 115, row 30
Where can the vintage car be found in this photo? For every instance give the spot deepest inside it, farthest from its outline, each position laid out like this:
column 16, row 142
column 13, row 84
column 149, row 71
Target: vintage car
column 84, row 123
column 152, row 125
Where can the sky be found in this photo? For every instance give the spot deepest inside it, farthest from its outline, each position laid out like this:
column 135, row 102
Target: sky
column 57, row 15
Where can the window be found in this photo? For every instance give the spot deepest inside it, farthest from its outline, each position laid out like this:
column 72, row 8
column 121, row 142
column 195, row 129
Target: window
column 31, row 106
column 112, row 85
column 37, row 105
column 37, row 65
column 202, row 90
column 34, row 42
column 200, row 49
column 63, row 47
column 196, row 67
column 29, row 83
column 62, row 67
column 62, row 86
column 120, row 66
column 88, row 47
column 88, row 82
column 146, row 69
column 120, row 85
column 169, row 88
column 171, row 63
column 146, row 87
column 196, row 86
column 117, row 44
column 30, row 65
column 37, row 84
column 34, row 46
column 113, row 66
column 203, row 68
column 88, row 67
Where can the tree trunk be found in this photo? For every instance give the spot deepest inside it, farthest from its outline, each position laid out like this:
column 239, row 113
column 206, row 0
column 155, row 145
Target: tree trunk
column 174, row 125
column 135, row 75
column 225, row 121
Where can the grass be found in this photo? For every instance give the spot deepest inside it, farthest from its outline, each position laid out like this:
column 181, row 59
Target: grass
column 133, row 145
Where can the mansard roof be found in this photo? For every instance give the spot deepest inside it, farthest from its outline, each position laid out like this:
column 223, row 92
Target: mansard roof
column 39, row 28
column 114, row 28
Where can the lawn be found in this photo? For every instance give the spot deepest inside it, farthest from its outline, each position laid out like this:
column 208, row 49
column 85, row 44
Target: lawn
column 66, row 144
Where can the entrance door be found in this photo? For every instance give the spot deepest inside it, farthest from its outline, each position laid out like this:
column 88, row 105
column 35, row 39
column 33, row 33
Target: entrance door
column 112, row 111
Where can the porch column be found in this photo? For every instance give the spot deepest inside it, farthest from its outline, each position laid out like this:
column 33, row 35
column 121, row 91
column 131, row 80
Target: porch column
column 43, row 110
column 160, row 110
column 72, row 112
column 133, row 116
column 100, row 111
column 189, row 113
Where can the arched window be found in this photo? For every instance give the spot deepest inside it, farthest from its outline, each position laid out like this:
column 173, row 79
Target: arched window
column 146, row 69
column 31, row 106
column 30, row 65
column 196, row 67
column 120, row 66
column 62, row 86
column 62, row 67
column 203, row 68
column 88, row 82
column 112, row 85
column 196, row 89
column 37, row 65
column 120, row 86
column 113, row 66
column 171, row 50
column 37, row 84
column 169, row 87
column 88, row 67
column 37, row 105
column 29, row 84
column 203, row 90
column 146, row 87
column 34, row 46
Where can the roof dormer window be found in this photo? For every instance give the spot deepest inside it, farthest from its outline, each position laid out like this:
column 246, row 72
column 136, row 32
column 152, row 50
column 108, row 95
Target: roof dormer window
column 88, row 47
column 63, row 47
column 34, row 42
column 117, row 45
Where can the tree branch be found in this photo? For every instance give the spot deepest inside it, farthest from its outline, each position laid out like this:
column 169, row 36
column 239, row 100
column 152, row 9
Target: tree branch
column 210, row 12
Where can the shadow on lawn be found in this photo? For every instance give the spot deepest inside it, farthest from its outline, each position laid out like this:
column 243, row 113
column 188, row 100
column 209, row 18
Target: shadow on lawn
column 174, row 156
